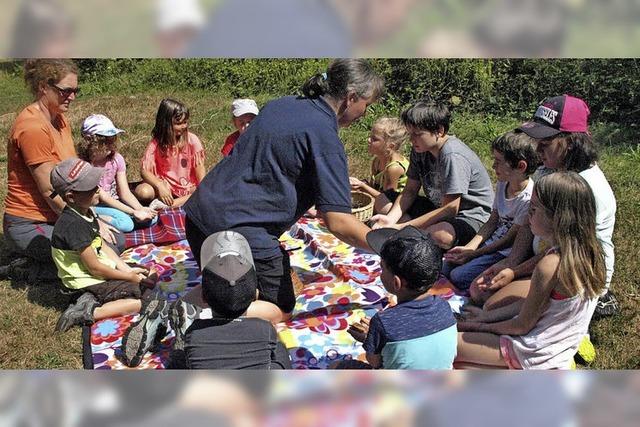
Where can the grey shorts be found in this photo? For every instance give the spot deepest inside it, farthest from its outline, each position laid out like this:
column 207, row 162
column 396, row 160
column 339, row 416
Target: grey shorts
column 33, row 238
column 28, row 237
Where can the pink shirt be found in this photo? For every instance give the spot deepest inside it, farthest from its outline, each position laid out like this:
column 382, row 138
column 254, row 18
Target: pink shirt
column 111, row 167
column 175, row 166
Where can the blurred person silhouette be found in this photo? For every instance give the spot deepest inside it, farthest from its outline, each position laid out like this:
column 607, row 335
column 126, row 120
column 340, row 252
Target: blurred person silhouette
column 504, row 28
column 297, row 28
column 177, row 23
column 42, row 29
column 501, row 401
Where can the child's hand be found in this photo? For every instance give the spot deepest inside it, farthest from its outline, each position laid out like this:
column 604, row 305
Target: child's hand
column 459, row 255
column 360, row 329
column 355, row 183
column 142, row 215
column 140, row 270
column 164, row 194
column 382, row 221
column 471, row 313
column 502, row 279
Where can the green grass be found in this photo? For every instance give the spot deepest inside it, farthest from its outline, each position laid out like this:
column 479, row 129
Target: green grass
column 28, row 313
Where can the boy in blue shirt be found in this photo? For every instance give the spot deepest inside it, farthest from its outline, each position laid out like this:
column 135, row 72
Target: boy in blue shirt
column 420, row 331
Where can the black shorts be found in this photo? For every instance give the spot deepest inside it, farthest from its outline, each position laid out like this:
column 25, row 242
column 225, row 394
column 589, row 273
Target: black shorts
column 274, row 274
column 113, row 290
column 421, row 205
column 465, row 229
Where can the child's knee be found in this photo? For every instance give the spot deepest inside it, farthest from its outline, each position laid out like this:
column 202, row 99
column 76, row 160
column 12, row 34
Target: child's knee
column 382, row 205
column 145, row 193
column 442, row 234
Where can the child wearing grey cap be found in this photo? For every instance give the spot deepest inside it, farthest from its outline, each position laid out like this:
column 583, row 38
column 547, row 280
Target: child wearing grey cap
column 84, row 262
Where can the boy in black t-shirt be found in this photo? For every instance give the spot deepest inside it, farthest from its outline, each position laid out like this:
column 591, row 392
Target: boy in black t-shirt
column 229, row 339
column 111, row 287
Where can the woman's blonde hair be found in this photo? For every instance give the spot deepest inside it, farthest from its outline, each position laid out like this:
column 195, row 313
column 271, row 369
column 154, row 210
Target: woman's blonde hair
column 393, row 131
column 570, row 203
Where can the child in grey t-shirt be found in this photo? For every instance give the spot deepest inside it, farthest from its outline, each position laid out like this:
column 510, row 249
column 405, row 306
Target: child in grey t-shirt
column 459, row 195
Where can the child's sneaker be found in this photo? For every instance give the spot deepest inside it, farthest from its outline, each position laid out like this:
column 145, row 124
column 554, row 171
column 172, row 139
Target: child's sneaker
column 80, row 313
column 9, row 270
column 607, row 306
column 141, row 335
column 181, row 316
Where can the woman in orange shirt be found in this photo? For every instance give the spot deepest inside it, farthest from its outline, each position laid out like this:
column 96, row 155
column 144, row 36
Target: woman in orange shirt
column 39, row 139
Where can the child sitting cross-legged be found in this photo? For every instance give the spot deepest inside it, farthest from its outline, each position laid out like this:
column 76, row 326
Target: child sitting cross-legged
column 420, row 331
column 213, row 328
column 84, row 262
column 515, row 159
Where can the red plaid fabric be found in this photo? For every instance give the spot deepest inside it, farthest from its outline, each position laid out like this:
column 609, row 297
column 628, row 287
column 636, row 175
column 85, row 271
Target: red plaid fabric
column 168, row 229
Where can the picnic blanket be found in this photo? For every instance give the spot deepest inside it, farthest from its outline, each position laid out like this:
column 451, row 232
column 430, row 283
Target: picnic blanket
column 342, row 285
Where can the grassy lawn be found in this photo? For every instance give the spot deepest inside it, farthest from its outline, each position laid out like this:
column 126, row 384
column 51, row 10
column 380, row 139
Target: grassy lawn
column 28, row 312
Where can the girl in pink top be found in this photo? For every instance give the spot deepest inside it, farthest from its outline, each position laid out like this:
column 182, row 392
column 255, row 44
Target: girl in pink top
column 173, row 164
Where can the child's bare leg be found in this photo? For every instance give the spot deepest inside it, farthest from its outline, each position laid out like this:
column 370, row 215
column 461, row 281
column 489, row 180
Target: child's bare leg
column 180, row 201
column 479, row 348
column 145, row 193
column 382, row 205
column 514, row 291
column 117, row 308
column 267, row 311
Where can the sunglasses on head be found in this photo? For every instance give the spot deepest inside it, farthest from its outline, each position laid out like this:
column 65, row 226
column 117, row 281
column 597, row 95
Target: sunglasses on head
column 66, row 92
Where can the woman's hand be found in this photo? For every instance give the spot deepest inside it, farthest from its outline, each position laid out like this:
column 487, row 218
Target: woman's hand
column 472, row 313
column 502, row 279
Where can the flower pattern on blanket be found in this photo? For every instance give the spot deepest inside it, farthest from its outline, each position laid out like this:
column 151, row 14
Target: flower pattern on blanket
column 342, row 286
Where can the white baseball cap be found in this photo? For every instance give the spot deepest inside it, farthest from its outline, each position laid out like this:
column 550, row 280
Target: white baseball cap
column 244, row 106
column 98, row 124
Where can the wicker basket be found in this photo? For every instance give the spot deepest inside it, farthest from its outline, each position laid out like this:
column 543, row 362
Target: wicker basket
column 362, row 205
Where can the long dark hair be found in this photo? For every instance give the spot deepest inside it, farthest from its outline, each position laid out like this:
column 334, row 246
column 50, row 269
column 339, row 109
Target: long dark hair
column 169, row 111
column 343, row 76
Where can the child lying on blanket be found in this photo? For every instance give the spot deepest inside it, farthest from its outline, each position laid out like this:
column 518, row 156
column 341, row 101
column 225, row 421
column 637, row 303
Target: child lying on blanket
column 228, row 338
column 420, row 331
column 112, row 288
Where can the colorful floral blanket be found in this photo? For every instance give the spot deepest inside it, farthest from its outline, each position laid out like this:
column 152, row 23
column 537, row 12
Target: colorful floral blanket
column 341, row 287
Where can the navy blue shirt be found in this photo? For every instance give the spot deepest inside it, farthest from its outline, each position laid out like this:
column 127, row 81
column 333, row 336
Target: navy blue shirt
column 289, row 159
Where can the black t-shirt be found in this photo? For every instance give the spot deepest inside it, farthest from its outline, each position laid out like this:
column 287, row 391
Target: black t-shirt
column 289, row 159
column 242, row 343
column 72, row 232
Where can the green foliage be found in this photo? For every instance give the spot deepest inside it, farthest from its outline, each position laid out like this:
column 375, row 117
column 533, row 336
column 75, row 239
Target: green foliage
column 500, row 88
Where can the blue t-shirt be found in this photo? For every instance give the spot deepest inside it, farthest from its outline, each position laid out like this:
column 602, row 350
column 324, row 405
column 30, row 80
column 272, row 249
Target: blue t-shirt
column 289, row 159
column 417, row 334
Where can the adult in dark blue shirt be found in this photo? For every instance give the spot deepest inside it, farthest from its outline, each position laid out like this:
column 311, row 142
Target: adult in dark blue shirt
column 289, row 159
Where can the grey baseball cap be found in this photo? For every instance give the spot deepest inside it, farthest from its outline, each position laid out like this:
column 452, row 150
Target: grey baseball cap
column 75, row 175
column 229, row 279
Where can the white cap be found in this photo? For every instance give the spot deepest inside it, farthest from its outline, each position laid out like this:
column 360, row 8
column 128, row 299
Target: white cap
column 174, row 14
column 97, row 124
column 244, row 106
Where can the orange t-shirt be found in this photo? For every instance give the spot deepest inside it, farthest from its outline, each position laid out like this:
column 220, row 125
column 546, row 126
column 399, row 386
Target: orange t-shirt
column 33, row 140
